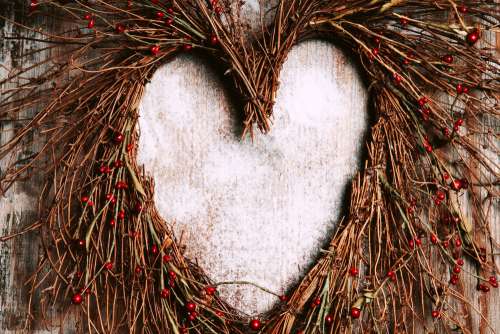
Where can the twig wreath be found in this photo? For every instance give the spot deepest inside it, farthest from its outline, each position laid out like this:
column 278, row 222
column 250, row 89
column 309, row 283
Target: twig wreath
column 434, row 83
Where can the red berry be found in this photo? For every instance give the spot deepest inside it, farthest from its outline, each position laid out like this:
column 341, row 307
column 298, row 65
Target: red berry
column 91, row 24
column 218, row 10
column 164, row 293
column 118, row 163
column 492, row 280
column 397, row 78
column 87, row 17
column 458, row 242
column 353, row 271
column 154, row 249
column 187, row 47
column 170, row 10
column 192, row 315
column 33, row 5
column 172, row 274
column 375, row 51
column 138, row 207
column 436, row 314
column 112, row 222
column 85, row 199
column 459, row 121
column 460, row 262
column 317, row 301
column 120, row 28
column 446, row 243
column 434, row 239
column 473, row 36
column 462, row 9
column 108, row 265
column 167, row 258
column 121, row 214
column 411, row 243
column 440, row 195
column 355, row 312
column 283, row 298
column 255, row 324
column 214, row 40
column 329, row 319
column 457, row 270
column 422, row 101
column 169, row 21
column 456, row 184
column 80, row 243
column 118, row 138
column 155, row 49
column 190, row 306
column 159, row 15
column 210, row 290
column 460, row 88
column 138, row 270
column 391, row 274
column 77, row 299
column 448, row 59
column 418, row 241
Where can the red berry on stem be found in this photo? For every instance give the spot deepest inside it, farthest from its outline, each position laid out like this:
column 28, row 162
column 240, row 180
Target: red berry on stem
column 160, row 15
column 418, row 241
column 155, row 49
column 164, row 293
column 355, row 312
column 138, row 270
column 138, row 207
column 457, row 270
column 112, row 222
column 473, row 36
column 462, row 9
column 170, row 10
column 121, row 214
column 255, row 324
column 85, row 199
column 460, row 262
column 447, row 59
column 108, row 265
column 456, row 184
column 375, row 51
column 120, row 28
column 329, row 319
column 446, row 243
column 91, row 24
column 214, row 40
column 440, row 195
column 317, row 301
column 192, row 315
column 167, row 258
column 397, row 78
column 169, row 21
column 77, row 299
column 190, row 306
column 118, row 137
column 87, row 17
column 187, row 47
column 434, row 239
column 210, row 290
column 283, row 298
column 458, row 242
column 460, row 88
column 436, row 314
column 33, row 5
column 353, row 271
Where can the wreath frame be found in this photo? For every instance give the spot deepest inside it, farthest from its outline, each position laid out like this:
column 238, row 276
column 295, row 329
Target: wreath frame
column 104, row 240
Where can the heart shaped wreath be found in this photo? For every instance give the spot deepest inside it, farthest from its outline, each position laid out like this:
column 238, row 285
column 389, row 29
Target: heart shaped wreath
column 426, row 190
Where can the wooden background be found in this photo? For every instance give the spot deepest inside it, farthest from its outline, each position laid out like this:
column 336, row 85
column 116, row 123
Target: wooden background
column 266, row 228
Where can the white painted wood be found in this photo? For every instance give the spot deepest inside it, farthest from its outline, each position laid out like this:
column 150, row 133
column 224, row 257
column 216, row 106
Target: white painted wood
column 255, row 211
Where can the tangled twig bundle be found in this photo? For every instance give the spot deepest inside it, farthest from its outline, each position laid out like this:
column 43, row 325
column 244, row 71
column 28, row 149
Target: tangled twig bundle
column 434, row 82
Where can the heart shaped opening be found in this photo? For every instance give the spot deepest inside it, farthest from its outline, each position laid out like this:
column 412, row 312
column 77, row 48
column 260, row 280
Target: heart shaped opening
column 256, row 211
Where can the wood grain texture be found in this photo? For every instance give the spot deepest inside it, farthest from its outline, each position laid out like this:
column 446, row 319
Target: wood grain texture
column 238, row 240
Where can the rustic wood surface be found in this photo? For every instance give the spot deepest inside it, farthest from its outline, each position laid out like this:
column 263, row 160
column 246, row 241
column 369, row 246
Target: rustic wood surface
column 266, row 229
